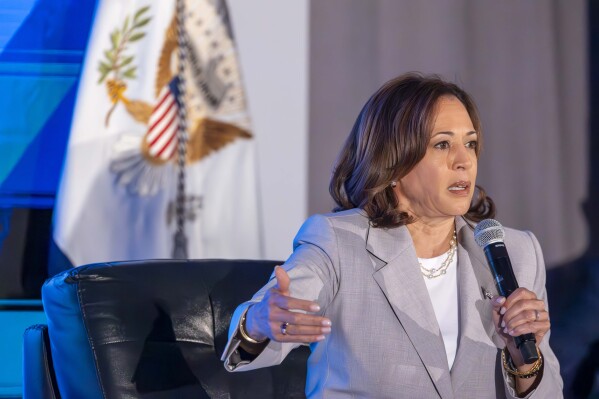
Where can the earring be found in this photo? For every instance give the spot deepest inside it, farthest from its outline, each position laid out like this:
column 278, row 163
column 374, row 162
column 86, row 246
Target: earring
column 393, row 184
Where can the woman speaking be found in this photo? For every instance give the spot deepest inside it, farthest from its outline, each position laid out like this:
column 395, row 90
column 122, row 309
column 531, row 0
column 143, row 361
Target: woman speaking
column 391, row 291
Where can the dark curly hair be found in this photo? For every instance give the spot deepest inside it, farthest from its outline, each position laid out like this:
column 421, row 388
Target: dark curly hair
column 388, row 139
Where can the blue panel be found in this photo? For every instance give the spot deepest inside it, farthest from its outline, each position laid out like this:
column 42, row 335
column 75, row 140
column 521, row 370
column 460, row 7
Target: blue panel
column 14, row 324
column 33, row 168
column 43, row 45
column 33, row 101
column 12, row 14
column 54, row 25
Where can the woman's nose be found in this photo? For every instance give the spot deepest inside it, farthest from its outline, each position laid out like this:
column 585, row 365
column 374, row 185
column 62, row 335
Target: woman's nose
column 462, row 158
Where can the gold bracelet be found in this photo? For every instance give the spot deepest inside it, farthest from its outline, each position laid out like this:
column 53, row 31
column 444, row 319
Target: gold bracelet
column 509, row 367
column 244, row 334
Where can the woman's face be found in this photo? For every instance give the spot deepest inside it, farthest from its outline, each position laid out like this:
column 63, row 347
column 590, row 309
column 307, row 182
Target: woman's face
column 441, row 185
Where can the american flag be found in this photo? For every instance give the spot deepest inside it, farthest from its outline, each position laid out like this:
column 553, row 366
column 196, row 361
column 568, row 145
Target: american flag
column 164, row 123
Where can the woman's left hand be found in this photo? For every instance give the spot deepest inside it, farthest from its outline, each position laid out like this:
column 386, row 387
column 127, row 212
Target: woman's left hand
column 521, row 313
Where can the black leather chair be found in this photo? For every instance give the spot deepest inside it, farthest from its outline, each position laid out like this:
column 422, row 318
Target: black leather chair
column 149, row 329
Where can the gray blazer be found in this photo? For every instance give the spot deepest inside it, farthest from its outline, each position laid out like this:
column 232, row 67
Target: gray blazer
column 385, row 340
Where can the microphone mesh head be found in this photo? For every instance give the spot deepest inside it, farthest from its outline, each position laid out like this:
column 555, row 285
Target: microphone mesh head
column 487, row 232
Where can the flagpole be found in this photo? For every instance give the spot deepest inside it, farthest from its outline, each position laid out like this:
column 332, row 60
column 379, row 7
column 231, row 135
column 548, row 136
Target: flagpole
column 180, row 240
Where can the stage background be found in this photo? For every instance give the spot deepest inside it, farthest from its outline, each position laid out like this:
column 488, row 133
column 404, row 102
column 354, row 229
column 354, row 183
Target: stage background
column 308, row 68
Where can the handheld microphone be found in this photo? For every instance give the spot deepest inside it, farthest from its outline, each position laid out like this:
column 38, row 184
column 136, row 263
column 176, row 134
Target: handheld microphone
column 489, row 234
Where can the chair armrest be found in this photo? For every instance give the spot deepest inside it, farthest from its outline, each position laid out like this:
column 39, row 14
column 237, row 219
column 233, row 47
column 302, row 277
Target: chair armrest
column 39, row 380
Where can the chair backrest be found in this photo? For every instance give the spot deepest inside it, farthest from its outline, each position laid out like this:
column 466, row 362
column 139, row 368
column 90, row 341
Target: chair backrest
column 157, row 329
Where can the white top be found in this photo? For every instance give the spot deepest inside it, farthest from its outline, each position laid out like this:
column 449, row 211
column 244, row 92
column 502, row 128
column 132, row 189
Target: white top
column 443, row 291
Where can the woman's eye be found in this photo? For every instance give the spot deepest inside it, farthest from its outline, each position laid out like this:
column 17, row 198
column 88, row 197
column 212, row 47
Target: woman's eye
column 443, row 145
column 472, row 144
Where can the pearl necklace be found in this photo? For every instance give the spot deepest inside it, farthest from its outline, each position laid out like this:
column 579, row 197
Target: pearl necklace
column 441, row 270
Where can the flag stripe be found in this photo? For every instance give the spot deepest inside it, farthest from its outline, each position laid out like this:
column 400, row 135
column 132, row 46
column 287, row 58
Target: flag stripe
column 165, row 138
column 165, row 104
column 166, row 126
column 169, row 143
column 164, row 94
column 172, row 150
column 158, row 126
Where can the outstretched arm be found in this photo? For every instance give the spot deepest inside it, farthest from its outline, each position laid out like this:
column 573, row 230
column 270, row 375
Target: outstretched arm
column 290, row 309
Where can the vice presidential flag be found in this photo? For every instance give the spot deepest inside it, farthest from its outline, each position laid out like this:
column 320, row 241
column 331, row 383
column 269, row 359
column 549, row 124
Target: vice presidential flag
column 160, row 161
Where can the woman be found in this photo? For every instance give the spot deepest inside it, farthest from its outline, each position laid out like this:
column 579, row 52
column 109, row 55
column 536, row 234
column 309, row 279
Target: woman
column 391, row 291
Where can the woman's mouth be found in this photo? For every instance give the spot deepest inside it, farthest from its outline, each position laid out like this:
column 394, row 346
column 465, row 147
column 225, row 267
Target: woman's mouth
column 460, row 188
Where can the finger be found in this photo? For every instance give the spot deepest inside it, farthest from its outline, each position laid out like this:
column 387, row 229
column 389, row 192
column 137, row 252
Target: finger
column 518, row 295
column 291, row 303
column 497, row 302
column 282, row 280
column 523, row 310
column 294, row 329
column 281, row 332
column 527, row 316
column 285, row 316
column 538, row 328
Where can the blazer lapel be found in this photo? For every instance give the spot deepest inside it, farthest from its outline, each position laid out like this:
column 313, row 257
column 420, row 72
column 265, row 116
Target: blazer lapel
column 399, row 277
column 476, row 323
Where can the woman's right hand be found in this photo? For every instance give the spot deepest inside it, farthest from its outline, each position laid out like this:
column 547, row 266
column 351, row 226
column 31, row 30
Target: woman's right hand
column 276, row 316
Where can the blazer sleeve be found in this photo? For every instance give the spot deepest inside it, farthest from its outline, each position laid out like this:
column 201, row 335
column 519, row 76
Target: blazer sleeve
column 551, row 384
column 313, row 269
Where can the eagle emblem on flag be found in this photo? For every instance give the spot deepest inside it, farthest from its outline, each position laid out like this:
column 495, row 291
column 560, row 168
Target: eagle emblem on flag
column 214, row 104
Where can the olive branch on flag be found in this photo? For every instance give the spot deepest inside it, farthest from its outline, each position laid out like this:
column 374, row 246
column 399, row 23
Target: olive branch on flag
column 117, row 63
